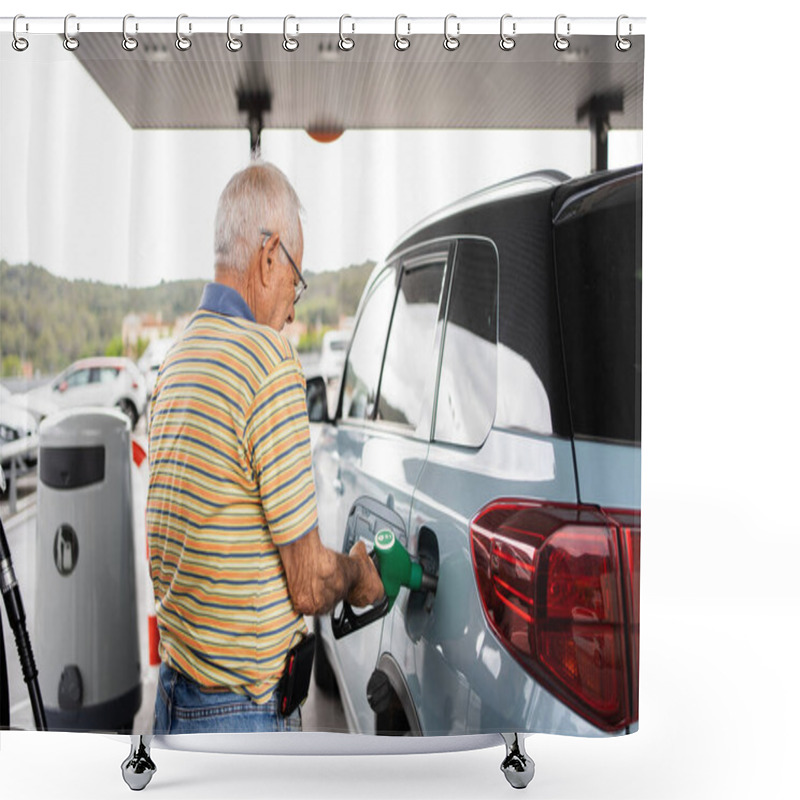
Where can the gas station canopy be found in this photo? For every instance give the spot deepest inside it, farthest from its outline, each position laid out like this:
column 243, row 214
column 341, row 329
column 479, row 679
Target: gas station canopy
column 319, row 87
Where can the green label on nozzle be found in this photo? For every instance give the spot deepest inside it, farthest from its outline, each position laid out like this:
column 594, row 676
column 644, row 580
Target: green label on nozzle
column 384, row 540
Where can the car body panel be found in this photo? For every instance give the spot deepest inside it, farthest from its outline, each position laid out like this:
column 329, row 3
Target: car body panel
column 384, row 466
column 609, row 475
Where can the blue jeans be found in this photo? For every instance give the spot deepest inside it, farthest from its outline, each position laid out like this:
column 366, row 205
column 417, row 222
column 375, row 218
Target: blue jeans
column 183, row 707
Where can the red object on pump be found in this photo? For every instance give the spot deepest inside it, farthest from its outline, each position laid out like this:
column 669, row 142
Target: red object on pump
column 559, row 584
column 139, row 453
column 154, row 639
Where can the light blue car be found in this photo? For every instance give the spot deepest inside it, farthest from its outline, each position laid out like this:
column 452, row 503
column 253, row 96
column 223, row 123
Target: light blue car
column 489, row 415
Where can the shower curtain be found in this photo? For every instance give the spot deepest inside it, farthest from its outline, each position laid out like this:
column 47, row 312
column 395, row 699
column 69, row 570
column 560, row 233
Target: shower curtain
column 411, row 144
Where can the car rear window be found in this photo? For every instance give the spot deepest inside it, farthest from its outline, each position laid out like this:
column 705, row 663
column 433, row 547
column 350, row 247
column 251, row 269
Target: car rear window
column 597, row 234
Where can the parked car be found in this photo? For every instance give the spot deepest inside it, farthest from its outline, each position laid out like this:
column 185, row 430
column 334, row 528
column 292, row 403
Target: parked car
column 151, row 359
column 334, row 350
column 101, row 381
column 490, row 412
column 16, row 423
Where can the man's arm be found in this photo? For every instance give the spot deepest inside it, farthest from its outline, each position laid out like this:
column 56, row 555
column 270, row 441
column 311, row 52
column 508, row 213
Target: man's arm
column 318, row 578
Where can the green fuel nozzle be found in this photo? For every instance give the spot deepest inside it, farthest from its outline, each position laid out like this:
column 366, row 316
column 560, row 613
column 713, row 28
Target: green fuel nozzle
column 397, row 569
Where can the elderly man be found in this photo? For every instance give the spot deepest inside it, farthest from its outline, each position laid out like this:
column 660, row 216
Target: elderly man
column 235, row 554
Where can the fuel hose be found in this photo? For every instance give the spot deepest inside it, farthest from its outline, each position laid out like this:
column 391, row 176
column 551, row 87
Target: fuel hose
column 16, row 621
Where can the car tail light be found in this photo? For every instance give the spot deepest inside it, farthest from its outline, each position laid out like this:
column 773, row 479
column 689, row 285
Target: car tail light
column 559, row 586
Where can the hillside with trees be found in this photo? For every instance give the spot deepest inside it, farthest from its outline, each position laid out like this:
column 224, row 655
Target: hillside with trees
column 49, row 322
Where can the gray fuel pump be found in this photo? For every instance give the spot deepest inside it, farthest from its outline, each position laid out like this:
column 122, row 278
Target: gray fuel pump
column 85, row 630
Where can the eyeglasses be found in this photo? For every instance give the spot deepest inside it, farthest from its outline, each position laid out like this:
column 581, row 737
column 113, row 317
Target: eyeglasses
column 299, row 288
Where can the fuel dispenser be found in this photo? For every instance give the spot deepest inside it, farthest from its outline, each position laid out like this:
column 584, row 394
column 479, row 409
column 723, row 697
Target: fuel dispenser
column 86, row 634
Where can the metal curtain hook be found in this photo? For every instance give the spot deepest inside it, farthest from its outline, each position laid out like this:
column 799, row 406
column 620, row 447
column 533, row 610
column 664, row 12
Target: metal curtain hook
column 181, row 42
column 506, row 41
column 233, row 44
column 560, row 43
column 128, row 42
column 18, row 42
column 290, row 44
column 623, row 44
column 451, row 42
column 70, row 43
column 345, row 43
column 401, row 42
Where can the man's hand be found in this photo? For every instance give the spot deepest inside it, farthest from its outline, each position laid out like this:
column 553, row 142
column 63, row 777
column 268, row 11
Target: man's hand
column 369, row 589
column 318, row 578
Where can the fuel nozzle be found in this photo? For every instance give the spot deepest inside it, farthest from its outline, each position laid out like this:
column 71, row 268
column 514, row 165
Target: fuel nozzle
column 397, row 569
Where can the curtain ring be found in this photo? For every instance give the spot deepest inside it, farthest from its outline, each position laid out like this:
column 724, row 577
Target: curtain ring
column 560, row 43
column 181, row 41
column 18, row 43
column 290, row 44
column 451, row 42
column 622, row 44
column 129, row 43
column 70, row 43
column 401, row 42
column 233, row 44
column 345, row 42
column 506, row 41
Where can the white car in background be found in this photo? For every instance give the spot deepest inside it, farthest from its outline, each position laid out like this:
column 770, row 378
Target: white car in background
column 104, row 381
column 334, row 350
column 16, row 422
column 151, row 359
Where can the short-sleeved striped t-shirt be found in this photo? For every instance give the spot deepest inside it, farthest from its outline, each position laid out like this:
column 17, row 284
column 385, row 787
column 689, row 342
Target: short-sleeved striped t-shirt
column 230, row 481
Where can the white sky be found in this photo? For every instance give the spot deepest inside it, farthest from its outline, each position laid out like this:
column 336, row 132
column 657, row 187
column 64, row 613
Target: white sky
column 85, row 196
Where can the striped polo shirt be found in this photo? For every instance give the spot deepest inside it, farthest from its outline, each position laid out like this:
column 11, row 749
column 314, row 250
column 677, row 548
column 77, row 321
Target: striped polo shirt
column 230, row 481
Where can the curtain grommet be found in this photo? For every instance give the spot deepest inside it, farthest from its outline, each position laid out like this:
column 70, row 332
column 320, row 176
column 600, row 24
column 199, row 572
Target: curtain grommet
column 401, row 43
column 70, row 42
column 451, row 42
column 622, row 44
column 19, row 43
column 346, row 44
column 290, row 43
column 129, row 42
column 182, row 42
column 507, row 42
column 233, row 44
column 561, row 43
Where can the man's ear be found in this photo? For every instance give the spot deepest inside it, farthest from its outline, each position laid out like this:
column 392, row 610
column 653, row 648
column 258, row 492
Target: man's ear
column 267, row 256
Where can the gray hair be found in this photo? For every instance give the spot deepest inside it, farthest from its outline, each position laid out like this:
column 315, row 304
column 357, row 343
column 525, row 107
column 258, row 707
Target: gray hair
column 259, row 197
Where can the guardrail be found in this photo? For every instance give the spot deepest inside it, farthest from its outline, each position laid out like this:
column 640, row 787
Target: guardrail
column 14, row 454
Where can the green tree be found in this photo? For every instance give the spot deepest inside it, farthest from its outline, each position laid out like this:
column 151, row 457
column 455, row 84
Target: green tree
column 12, row 366
column 114, row 347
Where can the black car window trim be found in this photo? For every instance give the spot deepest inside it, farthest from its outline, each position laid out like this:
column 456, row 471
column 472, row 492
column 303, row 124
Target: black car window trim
column 423, row 255
column 380, row 277
column 449, row 288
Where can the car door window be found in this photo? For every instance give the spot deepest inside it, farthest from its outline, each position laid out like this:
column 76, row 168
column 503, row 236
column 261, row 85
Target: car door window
column 366, row 351
column 467, row 393
column 411, row 354
column 80, row 377
column 107, row 374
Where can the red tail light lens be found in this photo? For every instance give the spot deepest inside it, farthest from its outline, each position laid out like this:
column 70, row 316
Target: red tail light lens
column 555, row 592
